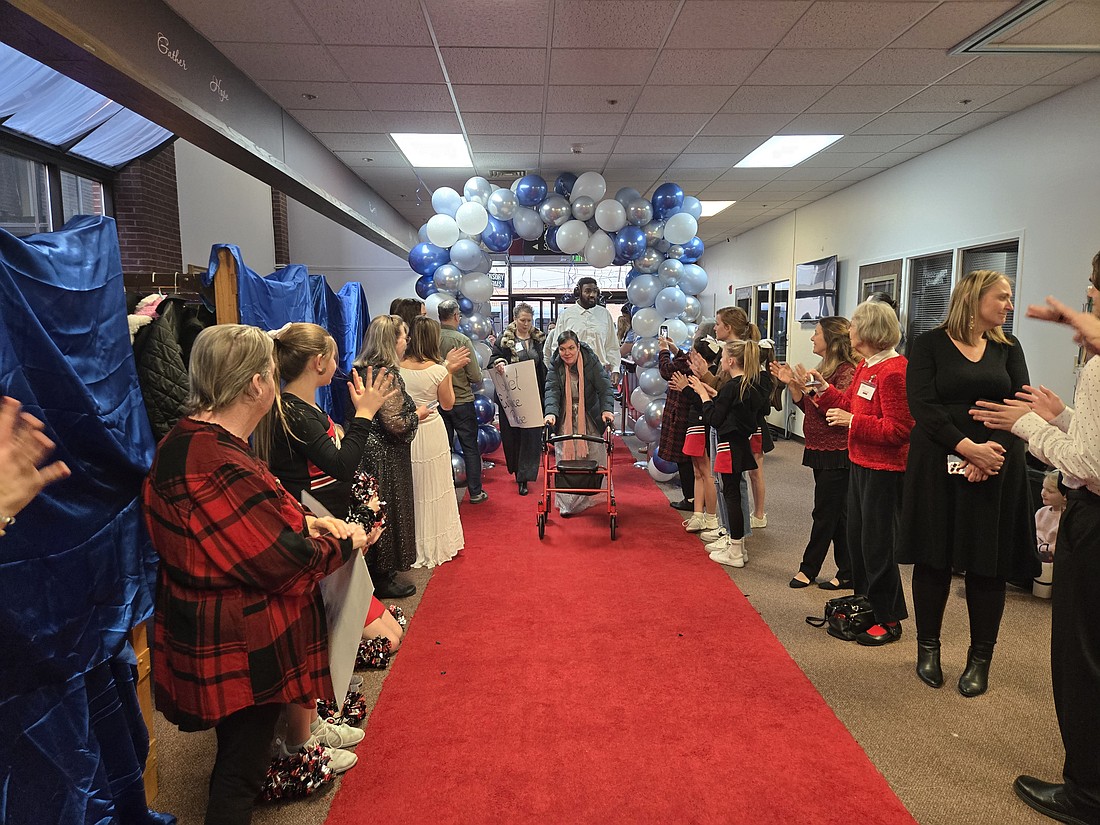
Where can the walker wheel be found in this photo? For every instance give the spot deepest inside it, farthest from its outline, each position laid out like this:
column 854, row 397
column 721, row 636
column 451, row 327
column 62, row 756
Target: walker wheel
column 542, row 525
column 613, row 525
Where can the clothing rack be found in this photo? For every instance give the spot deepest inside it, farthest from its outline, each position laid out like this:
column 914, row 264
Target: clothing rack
column 185, row 285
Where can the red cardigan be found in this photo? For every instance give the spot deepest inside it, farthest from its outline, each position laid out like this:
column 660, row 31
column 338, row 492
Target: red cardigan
column 879, row 435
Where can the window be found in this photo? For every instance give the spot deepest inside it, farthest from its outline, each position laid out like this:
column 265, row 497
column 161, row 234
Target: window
column 882, row 277
column 1001, row 257
column 742, row 297
column 780, row 295
column 929, row 292
column 763, row 308
column 24, row 196
column 80, row 196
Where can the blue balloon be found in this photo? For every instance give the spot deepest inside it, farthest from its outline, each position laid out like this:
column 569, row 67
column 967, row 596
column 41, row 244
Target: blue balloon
column 552, row 239
column 693, row 250
column 531, row 190
column 465, row 305
column 484, row 409
column 564, row 184
column 631, row 275
column 497, row 236
column 630, row 242
column 488, row 439
column 426, row 258
column 667, row 200
column 662, row 465
column 618, row 260
column 425, row 286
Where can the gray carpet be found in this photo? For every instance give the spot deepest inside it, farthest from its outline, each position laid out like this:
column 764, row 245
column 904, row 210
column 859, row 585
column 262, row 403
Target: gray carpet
column 951, row 760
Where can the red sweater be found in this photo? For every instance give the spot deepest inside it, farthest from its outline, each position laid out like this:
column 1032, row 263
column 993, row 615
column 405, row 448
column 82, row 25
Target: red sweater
column 879, row 434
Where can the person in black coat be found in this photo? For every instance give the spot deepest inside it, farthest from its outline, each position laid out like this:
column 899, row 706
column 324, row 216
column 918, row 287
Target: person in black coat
column 966, row 503
column 521, row 341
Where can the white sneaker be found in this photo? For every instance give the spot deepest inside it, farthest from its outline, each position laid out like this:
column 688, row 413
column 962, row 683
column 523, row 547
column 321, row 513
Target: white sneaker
column 340, row 760
column 758, row 522
column 696, row 524
column 709, row 536
column 719, row 544
column 710, row 521
column 334, row 736
column 732, row 556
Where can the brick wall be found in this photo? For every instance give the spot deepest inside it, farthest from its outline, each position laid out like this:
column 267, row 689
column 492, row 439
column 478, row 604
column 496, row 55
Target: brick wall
column 148, row 215
column 282, row 231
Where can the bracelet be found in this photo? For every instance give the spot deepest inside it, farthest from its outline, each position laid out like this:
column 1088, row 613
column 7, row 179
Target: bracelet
column 5, row 523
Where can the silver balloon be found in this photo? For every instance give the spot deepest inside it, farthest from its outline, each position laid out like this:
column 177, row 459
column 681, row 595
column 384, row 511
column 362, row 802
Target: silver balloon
column 678, row 330
column 675, row 251
column 527, row 223
column 480, row 327
column 649, row 261
column 422, row 234
column 647, row 322
column 584, row 208
column 639, row 212
column 670, row 272
column 639, row 401
column 670, row 302
column 477, row 190
column 655, row 412
column 643, row 290
column 654, row 232
column 488, row 388
column 693, row 309
column 645, row 433
column 662, row 246
column 626, row 195
column 458, row 470
column 502, row 204
column 651, row 382
column 644, row 354
column 483, row 352
column 555, row 210
column 694, row 279
column 448, row 278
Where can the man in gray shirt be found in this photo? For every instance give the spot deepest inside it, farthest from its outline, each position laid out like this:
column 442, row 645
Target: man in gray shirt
column 461, row 419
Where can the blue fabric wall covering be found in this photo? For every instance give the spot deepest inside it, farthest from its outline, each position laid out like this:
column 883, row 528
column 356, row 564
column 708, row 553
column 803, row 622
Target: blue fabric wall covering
column 77, row 569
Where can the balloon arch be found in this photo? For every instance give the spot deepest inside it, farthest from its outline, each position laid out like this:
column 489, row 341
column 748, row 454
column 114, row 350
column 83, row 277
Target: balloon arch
column 656, row 237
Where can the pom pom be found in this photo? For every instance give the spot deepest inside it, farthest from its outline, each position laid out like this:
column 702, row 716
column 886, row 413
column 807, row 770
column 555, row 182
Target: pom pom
column 374, row 653
column 353, row 713
column 297, row 776
column 399, row 615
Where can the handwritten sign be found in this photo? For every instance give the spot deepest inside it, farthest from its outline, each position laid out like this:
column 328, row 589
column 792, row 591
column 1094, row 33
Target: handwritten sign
column 165, row 48
column 518, row 394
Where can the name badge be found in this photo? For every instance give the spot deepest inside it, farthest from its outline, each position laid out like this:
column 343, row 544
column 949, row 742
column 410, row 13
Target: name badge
column 866, row 390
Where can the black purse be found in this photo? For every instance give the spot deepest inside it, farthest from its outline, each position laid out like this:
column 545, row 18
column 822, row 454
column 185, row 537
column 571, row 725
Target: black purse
column 845, row 616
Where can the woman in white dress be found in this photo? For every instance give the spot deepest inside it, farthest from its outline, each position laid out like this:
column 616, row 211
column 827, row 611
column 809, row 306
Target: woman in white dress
column 428, row 382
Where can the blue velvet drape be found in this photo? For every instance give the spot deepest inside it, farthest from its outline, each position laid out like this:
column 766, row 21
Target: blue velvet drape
column 77, row 569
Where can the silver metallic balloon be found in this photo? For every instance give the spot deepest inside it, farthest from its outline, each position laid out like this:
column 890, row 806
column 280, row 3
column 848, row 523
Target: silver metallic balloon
column 477, row 190
column 555, row 210
column 642, row 431
column 639, row 401
column 527, row 223
column 651, row 382
column 458, row 470
column 448, row 278
column 675, row 251
column 644, row 352
column 639, row 212
column 670, row 272
column 502, row 204
column 643, row 290
column 488, row 388
column 654, row 232
column 693, row 309
column 649, row 261
column 627, row 194
column 655, row 412
column 584, row 208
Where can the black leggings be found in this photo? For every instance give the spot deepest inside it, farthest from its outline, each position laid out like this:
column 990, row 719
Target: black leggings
column 985, row 602
column 731, row 492
column 244, row 752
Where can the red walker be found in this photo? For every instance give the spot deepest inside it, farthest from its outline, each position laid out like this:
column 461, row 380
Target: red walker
column 576, row 476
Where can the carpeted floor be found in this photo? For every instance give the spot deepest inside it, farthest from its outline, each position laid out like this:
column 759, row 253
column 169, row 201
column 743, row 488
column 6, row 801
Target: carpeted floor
column 949, row 759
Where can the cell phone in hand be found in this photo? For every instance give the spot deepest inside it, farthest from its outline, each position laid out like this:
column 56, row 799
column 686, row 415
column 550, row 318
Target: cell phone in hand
column 663, row 331
column 812, row 382
column 432, row 405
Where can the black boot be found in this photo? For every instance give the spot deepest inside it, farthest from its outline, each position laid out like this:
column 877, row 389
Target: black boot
column 928, row 662
column 975, row 679
column 388, row 586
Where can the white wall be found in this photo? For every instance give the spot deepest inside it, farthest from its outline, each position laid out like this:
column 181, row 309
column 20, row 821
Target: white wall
column 1034, row 175
column 221, row 204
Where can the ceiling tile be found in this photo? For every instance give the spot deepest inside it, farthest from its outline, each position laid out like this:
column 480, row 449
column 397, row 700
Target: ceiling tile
column 968, row 123
column 1021, row 98
column 517, row 23
column 717, row 163
column 907, row 67
column 615, row 67
column 740, row 125
column 290, row 94
column 877, row 99
column 656, row 144
column 845, row 25
column 494, row 98
column 808, row 66
column 560, row 162
column 415, row 96
column 261, row 62
column 502, row 123
column 654, row 124
column 722, row 24
column 587, row 25
column 1084, row 69
column 888, row 159
column 704, row 99
column 755, row 174
column 722, row 144
column 589, row 143
column 773, row 99
column 824, row 172
column 393, row 23
column 275, row 22
column 379, row 160
column 683, row 67
column 428, row 122
column 947, row 98
column 624, row 161
column 591, row 98
column 386, row 64
column 907, row 122
column 846, row 160
column 924, row 143
column 486, row 161
column 870, row 143
column 1012, row 69
column 950, row 23
column 861, row 173
column 327, row 120
column 583, row 124
column 518, row 66
column 355, row 141
column 823, row 124
column 504, row 143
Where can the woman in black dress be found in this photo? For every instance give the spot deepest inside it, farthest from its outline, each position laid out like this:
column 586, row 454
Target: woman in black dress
column 966, row 503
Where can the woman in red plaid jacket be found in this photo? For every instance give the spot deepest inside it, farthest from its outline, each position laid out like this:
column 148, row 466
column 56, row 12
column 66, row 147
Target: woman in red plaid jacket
column 240, row 625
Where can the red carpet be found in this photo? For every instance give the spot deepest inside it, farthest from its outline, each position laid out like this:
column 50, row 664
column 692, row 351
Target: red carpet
column 580, row 680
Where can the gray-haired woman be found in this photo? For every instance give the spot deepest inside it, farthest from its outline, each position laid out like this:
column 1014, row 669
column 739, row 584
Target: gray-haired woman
column 521, row 341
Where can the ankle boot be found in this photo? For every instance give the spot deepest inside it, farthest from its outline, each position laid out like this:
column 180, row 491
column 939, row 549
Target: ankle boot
column 975, row 679
column 928, row 662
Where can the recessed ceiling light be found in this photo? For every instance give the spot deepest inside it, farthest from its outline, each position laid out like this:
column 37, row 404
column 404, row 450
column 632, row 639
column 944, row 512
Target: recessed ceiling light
column 786, row 150
column 309, row 96
column 427, row 151
column 714, row 207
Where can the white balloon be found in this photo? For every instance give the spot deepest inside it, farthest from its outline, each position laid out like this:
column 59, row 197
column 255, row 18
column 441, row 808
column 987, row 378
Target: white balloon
column 502, row 204
column 643, row 290
column 647, row 322
column 472, row 218
column 442, row 230
column 527, row 223
column 656, row 474
column 477, row 190
column 693, row 206
column 432, row 302
column 591, row 185
column 446, row 201
column 677, row 329
column 477, row 287
column 572, row 236
column 610, row 215
column 680, row 228
column 670, row 302
column 599, row 251
column 483, row 352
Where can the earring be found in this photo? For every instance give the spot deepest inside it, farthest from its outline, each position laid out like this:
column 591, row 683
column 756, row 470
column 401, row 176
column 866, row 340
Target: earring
column 971, row 322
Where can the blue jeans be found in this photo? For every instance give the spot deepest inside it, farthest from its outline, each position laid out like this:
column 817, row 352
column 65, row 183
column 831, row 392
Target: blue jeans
column 461, row 420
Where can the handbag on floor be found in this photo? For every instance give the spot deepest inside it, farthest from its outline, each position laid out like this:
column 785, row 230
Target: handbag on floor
column 845, row 616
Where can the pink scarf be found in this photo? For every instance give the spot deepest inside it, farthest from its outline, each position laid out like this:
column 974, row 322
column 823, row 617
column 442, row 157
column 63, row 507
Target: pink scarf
column 574, row 449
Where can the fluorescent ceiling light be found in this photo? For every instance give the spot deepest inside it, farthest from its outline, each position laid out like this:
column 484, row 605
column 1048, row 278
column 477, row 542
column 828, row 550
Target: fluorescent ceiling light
column 787, row 150
column 714, row 207
column 425, row 151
